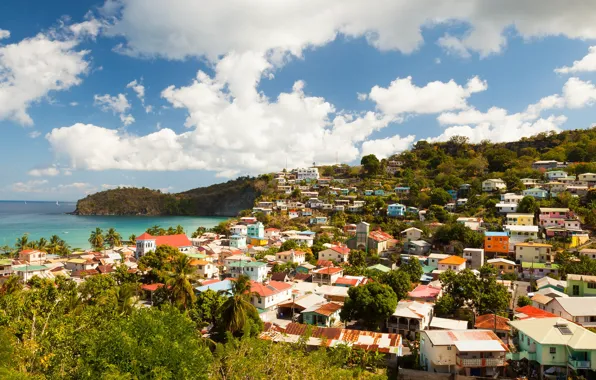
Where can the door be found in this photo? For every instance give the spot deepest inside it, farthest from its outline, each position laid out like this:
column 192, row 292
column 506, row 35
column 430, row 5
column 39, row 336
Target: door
column 575, row 290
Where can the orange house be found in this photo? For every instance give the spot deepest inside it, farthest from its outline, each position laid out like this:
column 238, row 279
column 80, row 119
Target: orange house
column 496, row 243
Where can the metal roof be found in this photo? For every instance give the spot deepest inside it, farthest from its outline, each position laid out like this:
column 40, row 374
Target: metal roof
column 480, row 346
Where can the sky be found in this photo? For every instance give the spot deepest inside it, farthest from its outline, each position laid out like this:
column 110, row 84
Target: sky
column 179, row 94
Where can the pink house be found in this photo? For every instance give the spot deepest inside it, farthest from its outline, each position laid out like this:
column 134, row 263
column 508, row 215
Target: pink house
column 554, row 217
column 425, row 293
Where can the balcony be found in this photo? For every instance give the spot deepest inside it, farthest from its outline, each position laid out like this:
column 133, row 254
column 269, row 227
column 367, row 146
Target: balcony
column 579, row 364
column 482, row 362
column 521, row 355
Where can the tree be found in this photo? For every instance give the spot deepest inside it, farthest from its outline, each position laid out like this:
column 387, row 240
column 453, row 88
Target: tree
column 56, row 245
column 357, row 258
column 132, row 238
column 205, row 310
column 445, row 306
column 527, row 205
column 199, row 232
column 41, row 245
column 97, row 239
column 179, row 230
column 440, row 197
column 288, row 245
column 371, row 304
column 237, row 312
column 371, row 165
column 159, row 261
column 182, row 292
column 524, row 301
column 413, row 268
column 113, row 238
column 399, row 281
column 23, row 242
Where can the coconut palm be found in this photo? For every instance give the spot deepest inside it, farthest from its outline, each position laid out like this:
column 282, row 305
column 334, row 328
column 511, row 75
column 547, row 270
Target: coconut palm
column 96, row 239
column 23, row 243
column 41, row 245
column 237, row 309
column 133, row 239
column 125, row 295
column 54, row 245
column 179, row 230
column 181, row 289
column 113, row 238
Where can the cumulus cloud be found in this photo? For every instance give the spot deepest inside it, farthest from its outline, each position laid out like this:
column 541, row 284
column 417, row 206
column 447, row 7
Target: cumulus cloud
column 454, row 46
column 33, row 186
column 579, row 93
column 118, row 105
column 184, row 28
column 586, row 64
column 4, row 34
column 32, row 67
column 44, row 172
column 402, row 96
column 34, row 134
column 138, row 88
column 42, row 186
column 383, row 148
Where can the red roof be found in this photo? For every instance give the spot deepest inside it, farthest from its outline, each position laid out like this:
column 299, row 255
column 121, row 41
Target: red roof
column 532, row 312
column 329, row 270
column 379, row 235
column 341, row 249
column 177, row 241
column 324, row 263
column 328, row 309
column 271, row 229
column 347, row 281
column 145, row 236
column 207, row 282
column 27, row 251
column 151, row 287
column 487, row 321
column 269, row 289
column 424, row 291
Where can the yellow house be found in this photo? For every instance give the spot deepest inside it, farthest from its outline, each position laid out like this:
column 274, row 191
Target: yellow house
column 259, row 241
column 520, row 219
column 502, row 265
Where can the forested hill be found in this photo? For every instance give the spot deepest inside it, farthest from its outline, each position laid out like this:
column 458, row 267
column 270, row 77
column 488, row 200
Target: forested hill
column 224, row 199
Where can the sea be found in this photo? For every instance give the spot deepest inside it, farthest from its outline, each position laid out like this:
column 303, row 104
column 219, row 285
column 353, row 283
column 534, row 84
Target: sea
column 44, row 219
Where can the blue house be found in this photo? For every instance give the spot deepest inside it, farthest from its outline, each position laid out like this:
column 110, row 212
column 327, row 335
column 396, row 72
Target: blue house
column 345, row 191
column 318, row 220
column 368, row 192
column 256, row 230
column 536, row 192
column 453, row 194
column 412, row 210
column 380, row 192
column 402, row 190
column 396, row 209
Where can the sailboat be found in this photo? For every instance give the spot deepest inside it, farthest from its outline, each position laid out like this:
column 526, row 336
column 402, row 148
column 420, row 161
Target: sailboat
column 57, row 204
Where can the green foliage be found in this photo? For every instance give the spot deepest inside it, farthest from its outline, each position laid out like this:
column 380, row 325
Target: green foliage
column 439, row 196
column 357, row 258
column 399, row 282
column 458, row 232
column 237, row 314
column 527, row 205
column 524, row 301
column 371, row 304
column 413, row 268
column 97, row 239
column 371, row 165
column 288, row 245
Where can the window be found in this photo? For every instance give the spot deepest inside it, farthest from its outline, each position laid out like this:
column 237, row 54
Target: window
column 591, row 285
column 552, row 350
column 448, row 348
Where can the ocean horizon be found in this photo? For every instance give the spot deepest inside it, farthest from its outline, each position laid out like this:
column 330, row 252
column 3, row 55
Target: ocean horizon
column 46, row 218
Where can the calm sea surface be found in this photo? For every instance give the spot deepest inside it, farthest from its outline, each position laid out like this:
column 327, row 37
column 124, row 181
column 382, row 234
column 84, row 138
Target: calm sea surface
column 44, row 219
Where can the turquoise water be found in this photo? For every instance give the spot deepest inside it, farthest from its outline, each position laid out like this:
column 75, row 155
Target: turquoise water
column 44, row 219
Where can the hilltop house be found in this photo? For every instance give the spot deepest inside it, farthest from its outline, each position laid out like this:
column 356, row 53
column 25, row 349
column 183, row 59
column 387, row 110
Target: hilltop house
column 410, row 317
column 534, row 252
column 291, row 256
column 555, row 174
column 434, row 258
column 238, row 241
column 502, row 265
column 520, row 219
column 412, row 233
column 454, row 263
column 255, row 270
column 322, row 315
column 535, row 192
column 535, row 271
column 417, row 247
column 545, row 165
column 550, row 216
column 32, row 256
column 367, row 240
column 579, row 310
column 238, row 229
column 474, row 257
column 205, row 269
column 496, row 243
column 579, row 285
column 519, row 234
column 491, row 185
column 269, row 295
column 396, row 210
column 327, row 275
column 146, row 243
column 307, row 174
column 339, row 254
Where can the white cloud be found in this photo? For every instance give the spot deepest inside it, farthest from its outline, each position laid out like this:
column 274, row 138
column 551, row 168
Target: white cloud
column 110, row 187
column 138, row 88
column 90, row 28
column 578, row 93
column 73, row 104
column 41, row 186
column 117, row 105
column 386, row 147
column 586, row 64
column 51, row 171
column 361, row 96
column 454, row 46
column 33, row 186
column 34, row 134
column 438, row 61
column 4, row 34
column 402, row 96
column 185, row 28
column 33, row 67
column 232, row 129
column 127, row 119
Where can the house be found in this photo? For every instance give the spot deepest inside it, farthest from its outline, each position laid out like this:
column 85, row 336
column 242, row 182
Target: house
column 379, row 268
column 291, row 256
column 349, row 281
column 502, row 266
column 365, row 240
column 506, row 208
column 412, row 233
column 146, row 243
column 519, row 234
column 467, row 352
column 538, row 270
column 550, row 216
column 410, row 317
column 412, row 210
column 587, row 177
column 496, row 243
column 32, row 256
column 472, row 223
column 447, row 324
column 79, row 264
column 578, row 310
column 545, row 165
column 579, row 285
column 529, row 182
column 461, row 202
column 205, row 269
column 454, row 263
column 268, row 295
column 474, row 257
column 555, row 174
column 402, row 190
column 318, row 220
column 393, row 166
column 531, row 312
column 338, row 254
column 322, row 315
column 499, row 325
column 535, row 192
column 425, row 293
column 300, row 303
column 256, row 231
column 534, row 252
column 238, row 241
column 5, row 267
column 327, row 276
column 388, row 344
column 272, row 233
column 368, row 193
column 434, row 258
column 551, row 283
column 350, row 229
column 255, row 270
column 305, row 268
column 307, row 174
column 27, row 272
column 293, row 214
column 555, row 342
column 517, row 219
column 491, row 185
column 417, row 247
column 396, row 210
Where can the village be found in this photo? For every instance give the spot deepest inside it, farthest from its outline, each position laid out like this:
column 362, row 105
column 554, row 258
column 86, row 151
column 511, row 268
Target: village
column 532, row 318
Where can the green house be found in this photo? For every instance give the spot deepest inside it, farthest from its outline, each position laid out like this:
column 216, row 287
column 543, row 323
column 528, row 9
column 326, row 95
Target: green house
column 323, row 315
column 555, row 342
column 379, row 268
column 581, row 286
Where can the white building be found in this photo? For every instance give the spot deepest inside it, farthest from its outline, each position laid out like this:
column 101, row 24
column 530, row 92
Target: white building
column 339, row 254
column 238, row 229
column 474, row 257
column 307, row 174
column 409, row 317
column 238, row 241
column 454, row 263
column 581, row 310
column 491, row 185
column 291, row 256
column 206, row 269
column 434, row 258
column 520, row 234
column 255, row 270
column 269, row 295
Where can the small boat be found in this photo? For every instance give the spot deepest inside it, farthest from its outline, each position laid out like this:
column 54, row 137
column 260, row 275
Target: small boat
column 57, row 204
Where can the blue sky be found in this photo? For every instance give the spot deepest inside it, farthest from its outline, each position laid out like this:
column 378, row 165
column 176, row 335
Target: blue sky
column 300, row 81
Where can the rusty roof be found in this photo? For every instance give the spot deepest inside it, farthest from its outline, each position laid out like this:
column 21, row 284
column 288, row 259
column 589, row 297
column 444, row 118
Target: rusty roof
column 328, row 309
column 487, row 321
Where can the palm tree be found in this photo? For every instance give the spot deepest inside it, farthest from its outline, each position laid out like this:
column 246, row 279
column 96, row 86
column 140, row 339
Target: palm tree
column 55, row 244
column 181, row 289
column 237, row 309
column 179, row 230
column 113, row 238
column 23, row 243
column 96, row 239
column 41, row 245
column 125, row 295
column 133, row 238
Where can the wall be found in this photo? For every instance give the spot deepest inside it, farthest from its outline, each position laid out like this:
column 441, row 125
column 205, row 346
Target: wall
column 411, row 374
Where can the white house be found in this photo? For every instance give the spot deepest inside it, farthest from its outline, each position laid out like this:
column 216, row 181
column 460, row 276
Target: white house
column 505, row 208
column 412, row 234
column 32, row 256
column 474, row 257
column 454, row 263
column 205, row 269
column 491, row 185
column 307, row 174
column 255, row 270
column 291, row 256
column 238, row 229
column 581, row 310
column 587, row 177
column 339, row 254
column 146, row 243
column 409, row 317
column 238, row 241
column 269, row 295
column 519, row 234
column 555, row 174
column 434, row 258
column 27, row 272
